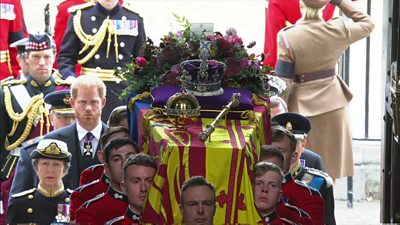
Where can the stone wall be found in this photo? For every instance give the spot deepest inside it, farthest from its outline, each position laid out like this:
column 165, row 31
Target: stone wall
column 367, row 166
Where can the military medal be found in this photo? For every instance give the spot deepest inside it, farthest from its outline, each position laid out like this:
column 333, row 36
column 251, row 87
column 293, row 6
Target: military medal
column 87, row 144
column 87, row 148
column 62, row 213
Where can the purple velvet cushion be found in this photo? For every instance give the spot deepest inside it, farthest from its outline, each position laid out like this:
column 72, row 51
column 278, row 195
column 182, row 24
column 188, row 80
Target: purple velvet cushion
column 161, row 95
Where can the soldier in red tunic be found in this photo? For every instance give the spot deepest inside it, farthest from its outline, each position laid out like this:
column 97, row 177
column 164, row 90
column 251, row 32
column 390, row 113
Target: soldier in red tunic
column 12, row 29
column 139, row 171
column 94, row 180
column 294, row 192
column 267, row 192
column 86, row 192
column 113, row 202
column 284, row 209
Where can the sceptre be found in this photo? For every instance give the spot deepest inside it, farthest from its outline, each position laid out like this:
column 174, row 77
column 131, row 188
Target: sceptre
column 234, row 102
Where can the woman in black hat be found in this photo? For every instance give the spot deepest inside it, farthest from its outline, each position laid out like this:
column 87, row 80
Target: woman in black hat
column 48, row 202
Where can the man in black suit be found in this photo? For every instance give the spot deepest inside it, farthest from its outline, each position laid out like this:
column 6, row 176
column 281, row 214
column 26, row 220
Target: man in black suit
column 88, row 99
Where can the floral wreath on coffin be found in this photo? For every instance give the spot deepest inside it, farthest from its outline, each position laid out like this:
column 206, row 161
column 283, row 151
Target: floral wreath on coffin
column 158, row 65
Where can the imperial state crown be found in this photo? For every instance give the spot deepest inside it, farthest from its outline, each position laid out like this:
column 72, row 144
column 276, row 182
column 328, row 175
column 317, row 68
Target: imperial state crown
column 202, row 77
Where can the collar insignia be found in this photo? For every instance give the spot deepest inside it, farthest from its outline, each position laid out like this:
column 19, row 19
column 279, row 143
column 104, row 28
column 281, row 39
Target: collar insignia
column 118, row 196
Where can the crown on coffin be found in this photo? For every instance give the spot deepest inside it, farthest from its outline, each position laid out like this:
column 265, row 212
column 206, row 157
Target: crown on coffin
column 202, row 77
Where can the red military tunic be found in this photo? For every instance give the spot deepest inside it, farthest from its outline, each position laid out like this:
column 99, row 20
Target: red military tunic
column 91, row 173
column 12, row 29
column 274, row 219
column 304, row 197
column 130, row 217
column 277, row 13
column 293, row 213
column 102, row 208
column 86, row 192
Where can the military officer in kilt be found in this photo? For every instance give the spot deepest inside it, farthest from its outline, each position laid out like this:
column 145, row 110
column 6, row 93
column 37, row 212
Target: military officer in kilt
column 317, row 179
column 48, row 202
column 23, row 113
column 102, row 37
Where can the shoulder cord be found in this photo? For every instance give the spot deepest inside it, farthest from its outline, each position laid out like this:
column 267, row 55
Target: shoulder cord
column 94, row 40
column 35, row 107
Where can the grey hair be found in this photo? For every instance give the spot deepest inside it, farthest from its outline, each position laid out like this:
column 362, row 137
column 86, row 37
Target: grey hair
column 67, row 165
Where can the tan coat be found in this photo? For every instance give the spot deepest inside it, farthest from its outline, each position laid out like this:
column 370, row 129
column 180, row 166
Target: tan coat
column 311, row 46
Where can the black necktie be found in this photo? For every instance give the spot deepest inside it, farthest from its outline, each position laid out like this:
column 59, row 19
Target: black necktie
column 88, row 148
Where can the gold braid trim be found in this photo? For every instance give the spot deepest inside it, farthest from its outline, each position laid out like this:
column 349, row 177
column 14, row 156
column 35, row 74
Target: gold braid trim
column 139, row 97
column 112, row 31
column 154, row 111
column 89, row 40
column 250, row 115
column 31, row 117
column 17, row 117
column 116, row 46
column 35, row 106
column 257, row 101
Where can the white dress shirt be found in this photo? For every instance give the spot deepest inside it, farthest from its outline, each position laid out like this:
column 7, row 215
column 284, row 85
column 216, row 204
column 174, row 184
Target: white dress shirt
column 96, row 136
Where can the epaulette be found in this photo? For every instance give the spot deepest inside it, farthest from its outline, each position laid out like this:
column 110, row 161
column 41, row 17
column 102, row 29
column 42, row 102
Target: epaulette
column 116, row 219
column 79, row 7
column 130, row 8
column 312, row 191
column 88, row 202
column 69, row 191
column 62, row 82
column 7, row 79
column 81, row 188
column 23, row 193
column 316, row 172
column 13, row 82
column 56, row 74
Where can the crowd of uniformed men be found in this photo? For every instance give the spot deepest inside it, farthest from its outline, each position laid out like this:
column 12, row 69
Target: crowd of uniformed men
column 61, row 163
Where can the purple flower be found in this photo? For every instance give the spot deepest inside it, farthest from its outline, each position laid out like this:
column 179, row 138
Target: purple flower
column 231, row 32
column 171, row 76
column 232, row 67
column 244, row 63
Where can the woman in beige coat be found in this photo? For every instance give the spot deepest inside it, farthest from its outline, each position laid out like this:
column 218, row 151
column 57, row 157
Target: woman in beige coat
column 307, row 56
